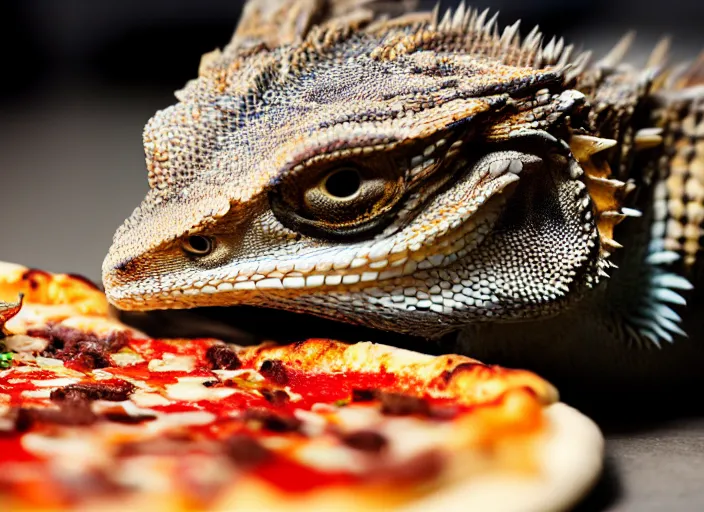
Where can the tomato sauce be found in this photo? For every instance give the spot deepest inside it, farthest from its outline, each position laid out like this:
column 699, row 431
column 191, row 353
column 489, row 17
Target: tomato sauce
column 302, row 390
column 292, row 477
column 11, row 449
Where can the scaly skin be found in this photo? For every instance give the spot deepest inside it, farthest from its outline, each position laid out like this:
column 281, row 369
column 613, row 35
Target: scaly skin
column 422, row 175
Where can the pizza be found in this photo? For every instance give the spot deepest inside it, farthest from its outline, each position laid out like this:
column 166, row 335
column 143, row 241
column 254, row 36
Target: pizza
column 95, row 415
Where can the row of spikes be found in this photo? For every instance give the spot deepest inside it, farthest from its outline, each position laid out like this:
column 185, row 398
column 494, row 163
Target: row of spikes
column 655, row 72
column 321, row 39
column 615, row 57
column 507, row 47
column 530, row 49
column 608, row 195
column 653, row 319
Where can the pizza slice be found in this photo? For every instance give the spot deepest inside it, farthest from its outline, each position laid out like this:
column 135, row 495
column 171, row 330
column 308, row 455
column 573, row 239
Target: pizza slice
column 95, row 415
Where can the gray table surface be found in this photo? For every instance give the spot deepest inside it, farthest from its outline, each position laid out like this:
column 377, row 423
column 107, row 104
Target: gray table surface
column 659, row 467
column 72, row 169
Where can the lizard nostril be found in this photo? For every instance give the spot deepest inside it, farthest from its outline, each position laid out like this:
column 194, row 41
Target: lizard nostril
column 122, row 266
column 115, row 275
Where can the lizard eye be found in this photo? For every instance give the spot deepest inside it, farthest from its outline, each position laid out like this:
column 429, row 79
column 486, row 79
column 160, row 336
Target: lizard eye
column 198, row 245
column 343, row 183
column 345, row 201
column 343, row 195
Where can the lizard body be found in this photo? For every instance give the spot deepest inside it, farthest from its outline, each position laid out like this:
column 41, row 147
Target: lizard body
column 424, row 174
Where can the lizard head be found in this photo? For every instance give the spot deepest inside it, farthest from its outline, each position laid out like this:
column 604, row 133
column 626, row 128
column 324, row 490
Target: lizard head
column 413, row 175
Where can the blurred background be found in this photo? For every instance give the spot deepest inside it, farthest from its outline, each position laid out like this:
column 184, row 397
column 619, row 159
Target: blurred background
column 79, row 78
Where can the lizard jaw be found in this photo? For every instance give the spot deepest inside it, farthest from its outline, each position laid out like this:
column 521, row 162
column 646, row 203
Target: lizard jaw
column 365, row 266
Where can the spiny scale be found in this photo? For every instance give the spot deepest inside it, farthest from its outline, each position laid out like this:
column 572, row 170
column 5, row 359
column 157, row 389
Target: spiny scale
column 647, row 138
column 607, row 194
column 584, row 146
column 659, row 55
column 530, row 50
column 618, row 52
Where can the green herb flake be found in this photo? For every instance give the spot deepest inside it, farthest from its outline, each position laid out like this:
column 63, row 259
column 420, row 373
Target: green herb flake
column 5, row 359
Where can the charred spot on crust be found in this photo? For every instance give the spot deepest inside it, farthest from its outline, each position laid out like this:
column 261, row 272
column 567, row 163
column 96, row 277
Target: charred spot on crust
column 276, row 397
column 397, row 404
column 363, row 395
column 30, row 275
column 448, row 375
column 275, row 371
column 221, row 357
column 365, row 440
column 115, row 391
column 271, row 420
column 85, row 349
column 246, row 451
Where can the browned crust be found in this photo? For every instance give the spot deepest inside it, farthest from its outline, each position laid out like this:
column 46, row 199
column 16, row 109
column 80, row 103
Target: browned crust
column 64, row 299
column 42, row 288
column 447, row 376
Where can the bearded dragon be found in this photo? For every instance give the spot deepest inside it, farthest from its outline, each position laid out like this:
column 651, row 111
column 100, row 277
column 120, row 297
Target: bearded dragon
column 428, row 173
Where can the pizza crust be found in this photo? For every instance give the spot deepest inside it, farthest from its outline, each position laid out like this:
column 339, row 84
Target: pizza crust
column 570, row 457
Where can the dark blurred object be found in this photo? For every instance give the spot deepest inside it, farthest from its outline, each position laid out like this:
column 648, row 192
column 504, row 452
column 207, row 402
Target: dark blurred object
column 146, row 44
column 24, row 61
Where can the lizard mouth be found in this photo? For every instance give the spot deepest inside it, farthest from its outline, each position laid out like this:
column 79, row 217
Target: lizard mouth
column 452, row 230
